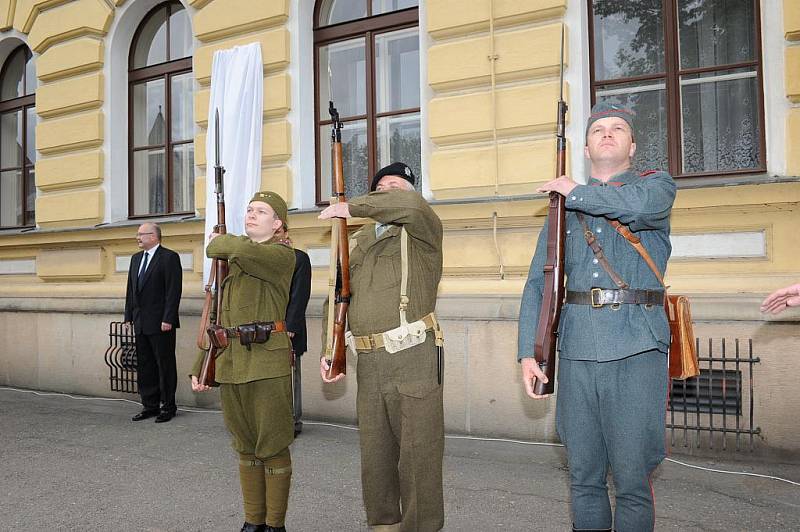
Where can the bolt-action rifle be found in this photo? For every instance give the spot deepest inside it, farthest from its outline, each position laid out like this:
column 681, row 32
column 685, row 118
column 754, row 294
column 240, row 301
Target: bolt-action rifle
column 339, row 281
column 544, row 349
column 219, row 267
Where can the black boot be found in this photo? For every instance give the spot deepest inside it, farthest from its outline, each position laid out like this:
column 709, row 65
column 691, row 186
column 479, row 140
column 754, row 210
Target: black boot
column 250, row 527
column 275, row 529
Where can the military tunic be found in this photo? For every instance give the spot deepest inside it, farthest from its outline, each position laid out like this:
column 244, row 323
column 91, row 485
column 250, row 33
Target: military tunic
column 612, row 375
column 255, row 383
column 399, row 403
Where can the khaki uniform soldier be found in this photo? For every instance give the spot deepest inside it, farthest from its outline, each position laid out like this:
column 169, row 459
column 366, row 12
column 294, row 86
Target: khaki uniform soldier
column 255, row 376
column 399, row 403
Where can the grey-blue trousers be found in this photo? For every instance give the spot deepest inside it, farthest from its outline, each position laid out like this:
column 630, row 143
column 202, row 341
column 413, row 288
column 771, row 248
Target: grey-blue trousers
column 612, row 415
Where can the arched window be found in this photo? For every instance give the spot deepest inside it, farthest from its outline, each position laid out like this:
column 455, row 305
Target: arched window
column 367, row 61
column 17, row 144
column 161, row 114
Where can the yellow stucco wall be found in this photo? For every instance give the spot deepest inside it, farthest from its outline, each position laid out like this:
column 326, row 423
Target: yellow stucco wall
column 513, row 42
column 492, row 71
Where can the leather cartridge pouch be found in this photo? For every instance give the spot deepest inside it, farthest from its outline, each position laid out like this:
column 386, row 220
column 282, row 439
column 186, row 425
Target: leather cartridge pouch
column 254, row 333
column 218, row 336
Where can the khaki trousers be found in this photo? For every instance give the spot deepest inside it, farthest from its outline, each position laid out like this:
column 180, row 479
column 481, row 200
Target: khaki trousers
column 401, row 422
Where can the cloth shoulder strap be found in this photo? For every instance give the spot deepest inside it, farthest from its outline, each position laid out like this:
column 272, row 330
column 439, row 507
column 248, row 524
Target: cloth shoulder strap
column 404, row 275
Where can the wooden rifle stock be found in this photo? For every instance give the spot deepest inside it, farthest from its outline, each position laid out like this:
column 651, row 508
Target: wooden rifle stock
column 544, row 349
column 337, row 357
column 220, row 267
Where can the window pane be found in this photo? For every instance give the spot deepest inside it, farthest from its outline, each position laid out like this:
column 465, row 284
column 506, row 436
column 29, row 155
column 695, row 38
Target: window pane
column 399, row 140
column 30, row 198
column 150, row 47
column 11, row 139
column 335, row 11
column 149, row 184
column 182, row 107
column 387, row 6
column 183, row 178
column 354, row 158
column 628, row 38
column 11, row 85
column 347, row 71
column 180, row 33
column 148, row 114
column 721, row 129
column 650, row 123
column 11, row 198
column 30, row 136
column 716, row 32
column 31, row 83
column 397, row 70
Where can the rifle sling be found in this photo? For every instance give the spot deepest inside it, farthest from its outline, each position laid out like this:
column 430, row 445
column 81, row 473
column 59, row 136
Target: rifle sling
column 204, row 318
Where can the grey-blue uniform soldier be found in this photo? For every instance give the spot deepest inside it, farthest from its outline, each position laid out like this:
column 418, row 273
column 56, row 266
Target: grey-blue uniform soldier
column 612, row 372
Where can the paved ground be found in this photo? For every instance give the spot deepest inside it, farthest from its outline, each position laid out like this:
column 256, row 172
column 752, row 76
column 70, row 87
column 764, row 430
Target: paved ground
column 69, row 464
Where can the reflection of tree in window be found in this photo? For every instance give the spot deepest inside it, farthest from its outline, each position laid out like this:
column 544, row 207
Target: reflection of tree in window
column 702, row 116
column 161, row 146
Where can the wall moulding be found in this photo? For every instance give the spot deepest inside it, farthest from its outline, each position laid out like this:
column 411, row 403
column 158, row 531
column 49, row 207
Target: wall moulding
column 68, row 21
column 26, row 11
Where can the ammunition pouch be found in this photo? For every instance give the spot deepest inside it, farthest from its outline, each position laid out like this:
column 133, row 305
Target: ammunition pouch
column 218, row 336
column 405, row 336
column 257, row 332
column 254, row 333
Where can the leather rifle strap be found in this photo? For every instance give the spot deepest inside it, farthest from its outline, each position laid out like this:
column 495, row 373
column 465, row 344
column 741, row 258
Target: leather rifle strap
column 598, row 252
column 204, row 317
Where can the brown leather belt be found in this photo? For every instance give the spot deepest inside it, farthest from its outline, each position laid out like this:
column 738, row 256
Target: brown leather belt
column 598, row 297
column 271, row 326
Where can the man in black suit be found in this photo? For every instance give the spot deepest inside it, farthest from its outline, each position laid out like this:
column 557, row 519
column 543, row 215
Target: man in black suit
column 151, row 303
column 299, row 294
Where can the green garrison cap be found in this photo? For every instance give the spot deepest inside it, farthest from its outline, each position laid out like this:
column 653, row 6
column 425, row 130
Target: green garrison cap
column 274, row 200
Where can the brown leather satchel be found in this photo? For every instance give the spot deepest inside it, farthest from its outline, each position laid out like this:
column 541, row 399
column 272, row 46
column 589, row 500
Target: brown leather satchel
column 682, row 348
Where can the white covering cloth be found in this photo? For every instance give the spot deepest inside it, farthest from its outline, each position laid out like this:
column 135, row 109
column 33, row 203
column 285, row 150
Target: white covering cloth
column 237, row 90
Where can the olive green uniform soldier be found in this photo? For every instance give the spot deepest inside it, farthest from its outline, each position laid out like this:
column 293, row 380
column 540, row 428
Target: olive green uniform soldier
column 255, row 379
column 399, row 403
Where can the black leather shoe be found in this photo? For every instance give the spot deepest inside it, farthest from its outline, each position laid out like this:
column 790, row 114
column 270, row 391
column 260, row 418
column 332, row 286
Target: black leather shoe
column 250, row 527
column 145, row 414
column 275, row 529
column 163, row 417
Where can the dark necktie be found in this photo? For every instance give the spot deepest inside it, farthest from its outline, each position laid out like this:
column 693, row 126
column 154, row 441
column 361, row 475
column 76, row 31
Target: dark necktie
column 144, row 266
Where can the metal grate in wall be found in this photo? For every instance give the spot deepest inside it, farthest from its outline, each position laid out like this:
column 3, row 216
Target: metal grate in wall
column 121, row 358
column 715, row 409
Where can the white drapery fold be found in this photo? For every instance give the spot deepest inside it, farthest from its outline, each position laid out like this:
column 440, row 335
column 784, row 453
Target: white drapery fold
column 237, row 90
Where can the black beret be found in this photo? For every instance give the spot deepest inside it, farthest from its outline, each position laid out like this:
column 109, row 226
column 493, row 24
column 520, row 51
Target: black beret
column 398, row 169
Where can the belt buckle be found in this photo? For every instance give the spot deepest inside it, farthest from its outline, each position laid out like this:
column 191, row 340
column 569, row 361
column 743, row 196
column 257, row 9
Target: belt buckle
column 599, row 293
